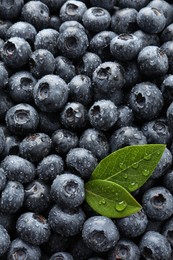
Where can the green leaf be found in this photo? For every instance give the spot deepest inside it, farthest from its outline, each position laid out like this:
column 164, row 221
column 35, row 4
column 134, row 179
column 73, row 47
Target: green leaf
column 130, row 166
column 110, row 199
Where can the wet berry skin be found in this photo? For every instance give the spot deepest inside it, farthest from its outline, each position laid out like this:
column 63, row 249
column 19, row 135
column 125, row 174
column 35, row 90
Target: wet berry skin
column 72, row 10
column 4, row 240
column 62, row 255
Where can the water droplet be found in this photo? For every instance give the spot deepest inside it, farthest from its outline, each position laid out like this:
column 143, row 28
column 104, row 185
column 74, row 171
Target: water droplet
column 146, row 172
column 102, row 202
column 147, row 157
column 121, row 205
column 132, row 186
column 122, row 166
column 125, row 175
column 135, row 165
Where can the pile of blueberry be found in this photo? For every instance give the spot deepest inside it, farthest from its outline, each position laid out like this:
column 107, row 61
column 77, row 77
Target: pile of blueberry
column 79, row 80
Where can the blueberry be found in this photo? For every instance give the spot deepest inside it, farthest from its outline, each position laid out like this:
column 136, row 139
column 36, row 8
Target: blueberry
column 158, row 203
column 35, row 147
column 3, row 75
column 133, row 225
column 74, row 116
column 169, row 116
column 62, row 255
column 151, row 20
column 18, row 169
column 23, row 250
column 95, row 141
column 4, row 240
column 33, row 228
column 54, row 22
column 124, row 21
column 50, row 93
column 147, row 39
column 79, row 250
column 100, row 45
column 51, row 166
column 7, row 221
column 132, row 74
column 167, row 34
column 64, row 68
column 80, row 89
column 125, row 47
column 11, row 9
column 16, row 52
column 167, row 88
column 2, row 141
column 107, row 5
column 81, row 161
column 88, row 63
column 117, row 96
column 73, row 42
column 108, row 77
column 100, row 233
column 167, row 230
column 96, row 19
column 146, row 100
column 11, row 199
column 66, row 222
column 127, row 135
column 153, row 61
column 22, row 119
column 3, row 179
column 41, row 63
column 36, row 13
column 23, row 30
column 37, row 196
column 47, row 39
column 125, row 116
column 125, row 249
column 11, row 146
column 132, row 3
column 153, row 245
column 103, row 114
column 4, row 26
column 72, row 10
column 67, row 190
column 20, row 87
column 54, row 5
column 167, row 180
column 71, row 23
column 63, row 140
column 48, row 122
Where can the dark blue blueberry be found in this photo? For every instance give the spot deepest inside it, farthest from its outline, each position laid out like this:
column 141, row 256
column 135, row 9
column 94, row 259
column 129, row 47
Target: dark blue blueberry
column 22, row 119
column 74, row 116
column 167, row 230
column 133, row 225
column 35, row 147
column 88, row 63
column 154, row 225
column 11, row 145
column 2, row 141
column 11, row 199
column 51, row 166
column 167, row 47
column 50, row 93
column 73, row 42
column 100, row 45
column 100, row 233
column 158, row 203
column 33, row 228
column 3, row 179
column 167, row 34
column 71, row 23
column 4, row 26
column 96, row 19
column 22, row 29
column 81, row 161
column 168, row 180
column 66, row 222
column 125, row 249
column 132, row 74
column 41, row 63
column 4, row 240
column 80, row 89
column 48, row 122
column 109, row 77
column 153, row 61
column 125, row 47
column 147, row 39
column 95, row 141
column 47, row 39
column 157, row 131
column 169, row 116
column 103, row 114
column 164, row 164
column 132, row 3
column 18, row 169
column 109, row 4
column 146, row 100
column 37, row 14
column 7, row 221
column 125, row 117
column 20, row 87
column 10, row 9
column 62, row 255
column 72, row 10
column 54, row 5
column 117, row 96
column 23, row 250
column 151, row 20
column 64, row 68
column 16, row 52
column 167, row 87
column 153, row 245
column 124, row 21
column 67, row 190
column 37, row 196
column 54, row 22
column 3, row 75
column 79, row 250
column 125, row 136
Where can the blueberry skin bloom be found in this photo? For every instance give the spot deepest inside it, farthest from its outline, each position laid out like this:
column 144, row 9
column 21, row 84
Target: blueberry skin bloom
column 33, row 228
column 100, row 233
column 153, row 245
column 72, row 10
column 4, row 240
column 50, row 93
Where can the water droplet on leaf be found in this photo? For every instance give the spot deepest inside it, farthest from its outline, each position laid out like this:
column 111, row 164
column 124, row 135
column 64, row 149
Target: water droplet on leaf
column 135, row 165
column 146, row 172
column 121, row 205
column 147, row 157
column 132, row 186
